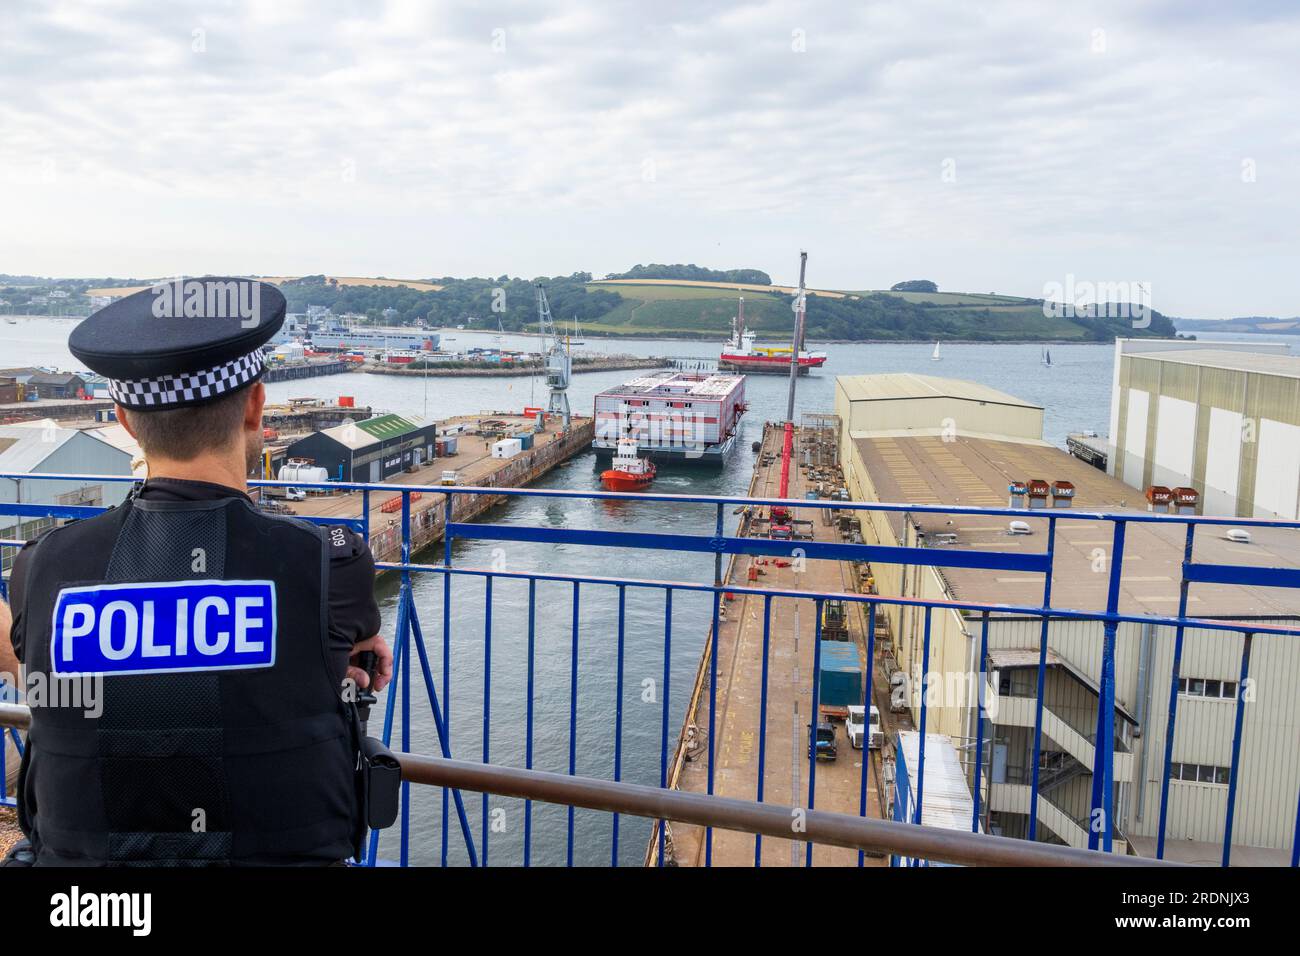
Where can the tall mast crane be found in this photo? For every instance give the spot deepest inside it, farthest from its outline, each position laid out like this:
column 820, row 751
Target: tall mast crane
column 787, row 449
column 559, row 363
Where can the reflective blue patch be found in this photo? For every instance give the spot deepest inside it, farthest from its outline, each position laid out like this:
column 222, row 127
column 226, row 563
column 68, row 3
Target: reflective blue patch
column 164, row 627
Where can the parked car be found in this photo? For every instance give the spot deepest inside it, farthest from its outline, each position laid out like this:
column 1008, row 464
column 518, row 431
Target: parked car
column 826, row 747
column 853, row 726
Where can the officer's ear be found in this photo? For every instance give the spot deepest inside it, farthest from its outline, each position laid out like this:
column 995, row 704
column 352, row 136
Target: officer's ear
column 124, row 419
column 253, row 406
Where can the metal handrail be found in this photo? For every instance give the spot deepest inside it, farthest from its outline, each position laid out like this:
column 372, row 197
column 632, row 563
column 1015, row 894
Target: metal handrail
column 1067, row 514
column 409, row 642
column 816, row 826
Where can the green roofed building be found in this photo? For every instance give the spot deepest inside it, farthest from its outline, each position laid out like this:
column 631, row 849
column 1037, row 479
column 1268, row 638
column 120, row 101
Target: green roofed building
column 369, row 450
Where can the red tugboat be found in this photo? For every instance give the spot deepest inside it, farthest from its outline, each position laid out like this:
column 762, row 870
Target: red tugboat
column 628, row 472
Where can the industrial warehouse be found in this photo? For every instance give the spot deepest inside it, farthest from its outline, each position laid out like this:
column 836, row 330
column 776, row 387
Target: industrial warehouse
column 965, row 444
column 370, row 450
column 1220, row 418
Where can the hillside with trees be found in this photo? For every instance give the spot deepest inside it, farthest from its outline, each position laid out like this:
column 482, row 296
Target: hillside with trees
column 476, row 303
column 685, row 301
column 694, row 273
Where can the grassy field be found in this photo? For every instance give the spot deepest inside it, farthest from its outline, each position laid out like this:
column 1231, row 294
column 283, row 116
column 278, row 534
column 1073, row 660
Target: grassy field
column 664, row 307
column 725, row 286
column 949, row 298
column 696, row 308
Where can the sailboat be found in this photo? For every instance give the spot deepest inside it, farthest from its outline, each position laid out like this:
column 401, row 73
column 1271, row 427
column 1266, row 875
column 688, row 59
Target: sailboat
column 934, row 357
column 1047, row 357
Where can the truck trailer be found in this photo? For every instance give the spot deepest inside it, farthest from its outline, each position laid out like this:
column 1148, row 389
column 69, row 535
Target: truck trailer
column 840, row 685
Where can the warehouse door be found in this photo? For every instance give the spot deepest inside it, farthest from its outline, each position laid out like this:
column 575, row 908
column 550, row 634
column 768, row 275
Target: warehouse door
column 376, row 474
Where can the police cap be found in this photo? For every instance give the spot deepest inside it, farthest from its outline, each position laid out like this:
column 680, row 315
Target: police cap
column 181, row 342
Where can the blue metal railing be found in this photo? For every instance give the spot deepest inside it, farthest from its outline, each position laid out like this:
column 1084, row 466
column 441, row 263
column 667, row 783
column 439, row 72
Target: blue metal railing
column 408, row 640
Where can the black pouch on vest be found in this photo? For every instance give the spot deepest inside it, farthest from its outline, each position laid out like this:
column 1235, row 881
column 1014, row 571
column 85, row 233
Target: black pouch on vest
column 381, row 784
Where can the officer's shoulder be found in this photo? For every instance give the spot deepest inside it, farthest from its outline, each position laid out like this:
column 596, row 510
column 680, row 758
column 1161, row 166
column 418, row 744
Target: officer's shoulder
column 73, row 531
column 344, row 543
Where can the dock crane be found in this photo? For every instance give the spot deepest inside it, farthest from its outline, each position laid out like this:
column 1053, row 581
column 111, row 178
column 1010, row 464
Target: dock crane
column 780, row 513
column 559, row 363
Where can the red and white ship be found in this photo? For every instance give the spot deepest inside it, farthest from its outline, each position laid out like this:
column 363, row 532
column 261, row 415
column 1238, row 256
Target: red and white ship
column 628, row 471
column 741, row 354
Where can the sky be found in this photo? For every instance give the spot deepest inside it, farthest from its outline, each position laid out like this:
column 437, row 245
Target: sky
column 1006, row 147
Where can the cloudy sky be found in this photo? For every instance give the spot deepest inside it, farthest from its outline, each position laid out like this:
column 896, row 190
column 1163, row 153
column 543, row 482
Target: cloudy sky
column 988, row 146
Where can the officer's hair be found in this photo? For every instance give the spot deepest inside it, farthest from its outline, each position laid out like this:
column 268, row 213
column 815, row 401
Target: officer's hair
column 182, row 434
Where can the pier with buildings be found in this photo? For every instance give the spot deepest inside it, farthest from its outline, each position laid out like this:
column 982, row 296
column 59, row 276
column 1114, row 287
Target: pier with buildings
column 471, row 460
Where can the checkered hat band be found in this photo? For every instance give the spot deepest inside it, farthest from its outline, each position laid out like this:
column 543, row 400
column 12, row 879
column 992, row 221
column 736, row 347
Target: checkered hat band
column 188, row 387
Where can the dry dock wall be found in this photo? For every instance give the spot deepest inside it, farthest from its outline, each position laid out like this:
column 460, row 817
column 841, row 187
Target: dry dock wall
column 521, row 470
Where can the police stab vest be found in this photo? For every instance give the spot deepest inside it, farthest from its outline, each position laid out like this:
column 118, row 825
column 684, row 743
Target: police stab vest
column 221, row 736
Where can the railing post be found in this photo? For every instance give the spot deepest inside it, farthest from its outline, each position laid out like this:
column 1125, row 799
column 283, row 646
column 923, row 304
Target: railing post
column 408, row 600
column 1173, row 692
column 446, row 652
column 1103, row 769
column 487, row 701
column 1295, row 838
column 762, row 718
column 1042, row 679
column 920, row 759
column 713, row 675
column 573, row 714
column 979, row 722
column 1238, row 726
column 815, row 719
column 528, row 719
column 866, row 717
column 618, row 710
column 663, row 728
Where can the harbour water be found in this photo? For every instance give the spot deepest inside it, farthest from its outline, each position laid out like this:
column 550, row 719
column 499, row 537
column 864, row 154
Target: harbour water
column 1074, row 392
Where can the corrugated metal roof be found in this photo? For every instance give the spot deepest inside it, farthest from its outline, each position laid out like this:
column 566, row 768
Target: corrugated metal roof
column 54, row 378
column 907, row 385
column 840, row 656
column 362, row 434
column 28, row 447
column 947, row 800
column 976, row 471
column 1261, row 363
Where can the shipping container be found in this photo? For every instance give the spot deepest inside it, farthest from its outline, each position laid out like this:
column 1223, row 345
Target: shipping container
column 841, row 677
column 506, row 448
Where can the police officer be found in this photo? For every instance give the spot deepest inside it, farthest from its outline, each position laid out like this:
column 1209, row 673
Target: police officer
column 224, row 640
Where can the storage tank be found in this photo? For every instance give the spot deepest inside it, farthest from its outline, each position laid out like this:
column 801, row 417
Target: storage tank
column 306, row 473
